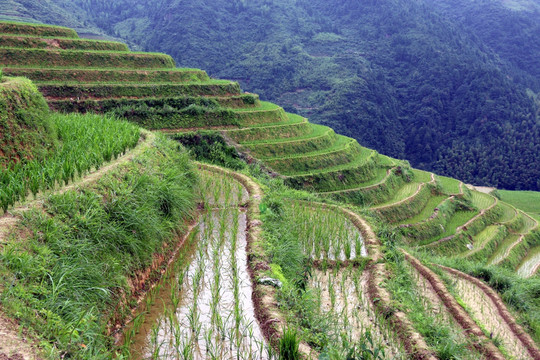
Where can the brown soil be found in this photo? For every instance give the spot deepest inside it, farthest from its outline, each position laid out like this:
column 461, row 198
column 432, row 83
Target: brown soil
column 15, row 345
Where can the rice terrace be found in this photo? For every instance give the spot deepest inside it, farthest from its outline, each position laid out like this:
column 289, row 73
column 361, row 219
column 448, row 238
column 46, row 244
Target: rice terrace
column 152, row 212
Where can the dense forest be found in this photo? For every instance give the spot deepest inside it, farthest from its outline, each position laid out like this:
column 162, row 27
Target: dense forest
column 450, row 85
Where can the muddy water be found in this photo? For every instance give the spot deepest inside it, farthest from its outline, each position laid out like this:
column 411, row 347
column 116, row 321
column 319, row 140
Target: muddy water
column 342, row 296
column 214, row 316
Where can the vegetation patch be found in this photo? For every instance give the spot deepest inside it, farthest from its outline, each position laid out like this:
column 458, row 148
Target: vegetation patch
column 26, row 131
column 85, row 143
column 60, row 43
column 19, row 28
column 65, row 270
column 91, row 91
column 78, row 59
column 104, row 75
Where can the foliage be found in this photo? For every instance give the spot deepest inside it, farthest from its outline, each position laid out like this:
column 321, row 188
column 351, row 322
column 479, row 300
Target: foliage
column 288, row 345
column 211, row 147
column 104, row 75
column 419, row 80
column 85, row 143
column 26, row 130
column 76, row 58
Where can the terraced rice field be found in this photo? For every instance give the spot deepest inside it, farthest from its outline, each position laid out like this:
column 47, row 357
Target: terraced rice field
column 342, row 297
column 210, row 313
column 403, row 193
column 530, row 264
column 426, row 212
column 485, row 313
column 335, row 238
column 207, row 306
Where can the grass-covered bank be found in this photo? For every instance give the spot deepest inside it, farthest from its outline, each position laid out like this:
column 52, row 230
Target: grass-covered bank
column 66, row 266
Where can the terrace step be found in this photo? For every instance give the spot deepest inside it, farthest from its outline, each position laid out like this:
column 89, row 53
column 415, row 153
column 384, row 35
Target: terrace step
column 173, row 103
column 293, row 127
column 492, row 233
column 530, row 264
column 361, row 168
column 7, row 27
column 15, row 57
column 78, row 75
column 266, row 113
column 57, row 43
column 318, row 138
column 65, row 91
column 342, row 152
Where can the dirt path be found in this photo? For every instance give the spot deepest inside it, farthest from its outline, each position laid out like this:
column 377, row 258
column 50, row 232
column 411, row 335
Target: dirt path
column 481, row 342
column 479, row 296
column 13, row 344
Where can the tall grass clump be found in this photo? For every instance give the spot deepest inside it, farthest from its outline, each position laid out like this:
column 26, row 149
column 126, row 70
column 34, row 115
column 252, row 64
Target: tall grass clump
column 85, row 142
column 288, row 345
column 26, row 131
column 66, row 275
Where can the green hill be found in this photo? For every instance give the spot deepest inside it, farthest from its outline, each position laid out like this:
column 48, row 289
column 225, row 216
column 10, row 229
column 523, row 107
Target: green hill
column 450, row 86
column 363, row 232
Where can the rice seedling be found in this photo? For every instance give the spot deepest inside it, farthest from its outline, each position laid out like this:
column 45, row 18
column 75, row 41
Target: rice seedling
column 325, row 234
column 214, row 310
column 86, row 142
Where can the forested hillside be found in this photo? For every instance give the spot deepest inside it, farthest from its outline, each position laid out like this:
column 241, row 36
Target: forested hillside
column 449, row 86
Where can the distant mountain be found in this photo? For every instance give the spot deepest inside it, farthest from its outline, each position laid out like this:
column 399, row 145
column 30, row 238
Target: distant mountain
column 449, row 85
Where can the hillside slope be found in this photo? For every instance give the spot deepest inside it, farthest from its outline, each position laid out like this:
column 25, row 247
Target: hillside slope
column 413, row 80
column 354, row 237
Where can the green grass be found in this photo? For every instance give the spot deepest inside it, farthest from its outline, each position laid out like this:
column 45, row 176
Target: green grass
column 406, row 191
column 483, row 238
column 529, row 263
column 65, row 278
column 450, row 186
column 509, row 212
column 93, row 91
column 341, row 143
column 316, row 131
column 83, row 59
column 380, row 175
column 459, row 218
column 499, row 253
column 342, row 152
column 26, row 131
column 528, row 201
column 264, row 106
column 426, row 212
column 321, row 139
column 26, row 41
column 421, row 176
column 482, row 201
column 85, row 142
column 292, row 127
column 12, row 27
